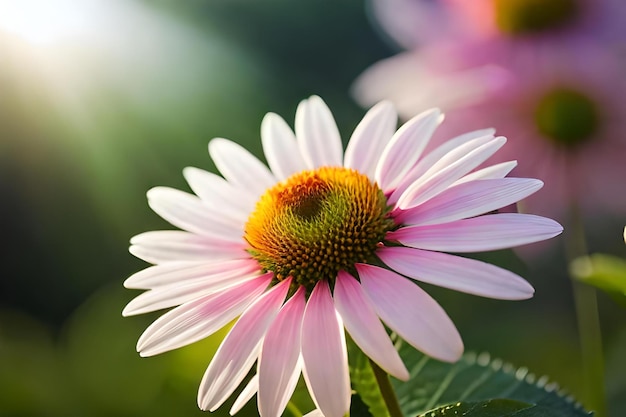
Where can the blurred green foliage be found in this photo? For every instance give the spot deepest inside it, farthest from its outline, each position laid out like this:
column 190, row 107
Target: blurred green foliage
column 602, row 271
column 87, row 126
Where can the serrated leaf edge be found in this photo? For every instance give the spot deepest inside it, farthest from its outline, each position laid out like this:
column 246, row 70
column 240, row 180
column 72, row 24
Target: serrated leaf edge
column 484, row 360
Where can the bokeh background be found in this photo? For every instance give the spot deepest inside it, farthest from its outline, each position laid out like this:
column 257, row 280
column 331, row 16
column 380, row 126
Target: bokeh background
column 101, row 100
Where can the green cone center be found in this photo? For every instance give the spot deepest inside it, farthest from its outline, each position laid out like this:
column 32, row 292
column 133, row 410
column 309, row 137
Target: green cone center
column 316, row 223
column 532, row 16
column 567, row 117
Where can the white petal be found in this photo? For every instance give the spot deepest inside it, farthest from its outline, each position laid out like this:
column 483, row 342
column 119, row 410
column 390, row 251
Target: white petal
column 178, row 293
column 240, row 349
column 448, row 146
column 245, row 395
column 162, row 246
column 280, row 147
column 279, row 364
column 159, row 274
column 370, row 138
column 314, row 413
column 457, row 273
column 412, row 313
column 470, row 199
column 363, row 324
column 318, row 136
column 435, row 155
column 405, row 149
column 219, row 194
column 496, row 171
column 187, row 211
column 199, row 318
column 478, row 234
column 180, row 272
column 448, row 169
column 240, row 167
column 324, row 353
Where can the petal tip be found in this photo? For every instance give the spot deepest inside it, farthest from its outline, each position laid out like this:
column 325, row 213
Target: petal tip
column 125, row 311
column 189, row 173
column 143, row 353
column 155, row 192
column 316, row 99
column 386, row 105
column 269, row 120
column 130, row 309
column 217, row 142
column 454, row 354
column 135, row 251
column 402, row 374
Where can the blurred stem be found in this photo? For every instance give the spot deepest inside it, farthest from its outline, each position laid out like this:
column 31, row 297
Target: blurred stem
column 588, row 319
column 386, row 390
column 295, row 411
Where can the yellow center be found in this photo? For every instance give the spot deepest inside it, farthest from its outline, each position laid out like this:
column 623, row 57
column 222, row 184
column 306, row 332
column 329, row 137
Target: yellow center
column 316, row 223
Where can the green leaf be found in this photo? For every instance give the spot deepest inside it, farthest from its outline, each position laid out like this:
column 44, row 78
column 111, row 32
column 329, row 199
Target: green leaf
column 493, row 408
column 364, row 383
column 474, row 379
column 605, row 272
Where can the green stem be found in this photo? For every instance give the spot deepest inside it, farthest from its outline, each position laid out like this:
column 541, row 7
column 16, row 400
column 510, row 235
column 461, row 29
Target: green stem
column 591, row 346
column 588, row 319
column 386, row 390
column 295, row 411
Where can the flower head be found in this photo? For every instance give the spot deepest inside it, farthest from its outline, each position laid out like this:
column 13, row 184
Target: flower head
column 324, row 241
column 553, row 77
column 566, row 114
column 413, row 23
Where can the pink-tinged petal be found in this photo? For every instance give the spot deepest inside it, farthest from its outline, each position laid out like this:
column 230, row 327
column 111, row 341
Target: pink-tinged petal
column 245, row 395
column 478, row 234
column 240, row 349
column 363, row 324
column 409, row 81
column 370, row 138
column 405, row 148
column 280, row 147
column 177, row 246
column 199, row 318
column 279, row 364
column 324, row 353
column 318, row 136
column 219, row 194
column 496, row 171
column 469, row 199
column 181, row 272
column 411, row 313
column 413, row 24
column 157, row 275
column 457, row 273
column 435, row 155
column 240, row 167
column 430, row 159
column 448, row 169
column 187, row 211
column 178, row 293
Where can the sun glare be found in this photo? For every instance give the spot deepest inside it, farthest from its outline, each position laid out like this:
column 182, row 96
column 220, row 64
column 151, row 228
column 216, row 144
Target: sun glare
column 44, row 22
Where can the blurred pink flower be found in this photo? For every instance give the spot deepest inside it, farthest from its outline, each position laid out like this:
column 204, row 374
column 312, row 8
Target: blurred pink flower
column 295, row 252
column 555, row 90
column 416, row 23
